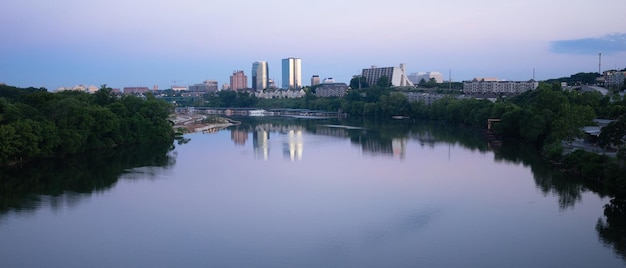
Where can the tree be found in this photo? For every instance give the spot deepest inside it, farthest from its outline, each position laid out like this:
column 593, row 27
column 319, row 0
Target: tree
column 104, row 96
column 395, row 104
column 422, row 83
column 432, row 82
column 613, row 133
column 383, row 81
column 245, row 99
column 10, row 143
column 358, row 82
column 569, row 121
column 227, row 98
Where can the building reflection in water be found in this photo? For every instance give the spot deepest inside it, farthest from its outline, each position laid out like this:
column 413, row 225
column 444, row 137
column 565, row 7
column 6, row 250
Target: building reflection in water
column 260, row 143
column 239, row 136
column 292, row 149
column 292, row 139
column 399, row 147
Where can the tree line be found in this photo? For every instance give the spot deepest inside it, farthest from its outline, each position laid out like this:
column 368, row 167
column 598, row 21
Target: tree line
column 35, row 123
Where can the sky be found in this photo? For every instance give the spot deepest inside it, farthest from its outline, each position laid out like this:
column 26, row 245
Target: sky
column 122, row 43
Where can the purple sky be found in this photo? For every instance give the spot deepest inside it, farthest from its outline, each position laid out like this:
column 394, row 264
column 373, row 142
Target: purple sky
column 144, row 43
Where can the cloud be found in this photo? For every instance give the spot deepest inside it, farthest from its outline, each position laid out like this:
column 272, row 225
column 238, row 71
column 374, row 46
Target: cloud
column 608, row 44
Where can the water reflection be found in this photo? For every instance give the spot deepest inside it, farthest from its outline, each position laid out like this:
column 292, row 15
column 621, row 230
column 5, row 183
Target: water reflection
column 260, row 143
column 374, row 137
column 388, row 138
column 293, row 146
column 612, row 229
column 64, row 182
column 238, row 136
column 569, row 189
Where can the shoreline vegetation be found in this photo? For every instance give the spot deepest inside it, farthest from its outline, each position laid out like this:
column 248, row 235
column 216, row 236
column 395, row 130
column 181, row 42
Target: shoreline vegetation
column 35, row 123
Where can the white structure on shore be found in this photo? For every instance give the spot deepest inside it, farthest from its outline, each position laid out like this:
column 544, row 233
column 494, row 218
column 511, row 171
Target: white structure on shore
column 416, row 78
column 396, row 75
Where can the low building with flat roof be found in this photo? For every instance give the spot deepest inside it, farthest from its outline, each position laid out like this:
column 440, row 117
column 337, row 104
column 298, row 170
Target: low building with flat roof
column 331, row 90
column 498, row 87
column 136, row 90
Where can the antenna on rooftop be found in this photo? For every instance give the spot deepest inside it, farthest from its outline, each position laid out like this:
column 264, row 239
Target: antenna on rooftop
column 449, row 79
column 600, row 63
column 176, row 81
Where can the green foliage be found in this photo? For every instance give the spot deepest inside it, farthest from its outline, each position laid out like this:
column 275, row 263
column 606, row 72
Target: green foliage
column 553, row 151
column 383, row 81
column 395, row 104
column 549, row 114
column 358, row 82
column 586, row 164
column 230, row 98
column 36, row 123
column 613, row 134
column 428, row 84
column 576, row 79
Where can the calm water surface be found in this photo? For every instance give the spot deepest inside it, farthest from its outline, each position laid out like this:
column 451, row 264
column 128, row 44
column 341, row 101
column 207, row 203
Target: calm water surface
column 298, row 193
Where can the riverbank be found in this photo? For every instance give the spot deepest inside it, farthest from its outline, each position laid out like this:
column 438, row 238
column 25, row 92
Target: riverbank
column 197, row 122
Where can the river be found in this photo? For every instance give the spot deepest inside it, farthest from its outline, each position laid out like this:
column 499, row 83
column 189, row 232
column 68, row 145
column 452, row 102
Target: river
column 308, row 193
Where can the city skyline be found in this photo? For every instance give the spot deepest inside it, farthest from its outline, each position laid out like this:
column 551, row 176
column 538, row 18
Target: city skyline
column 142, row 43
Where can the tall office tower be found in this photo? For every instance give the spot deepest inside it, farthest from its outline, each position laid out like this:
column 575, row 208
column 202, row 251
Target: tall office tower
column 315, row 80
column 238, row 81
column 292, row 73
column 260, row 75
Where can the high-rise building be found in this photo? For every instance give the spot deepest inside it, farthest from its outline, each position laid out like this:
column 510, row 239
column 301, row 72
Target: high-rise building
column 292, row 73
column 315, row 80
column 238, row 81
column 260, row 75
column 396, row 76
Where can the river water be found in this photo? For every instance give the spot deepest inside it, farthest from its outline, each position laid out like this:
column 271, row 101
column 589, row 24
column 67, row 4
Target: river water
column 307, row 193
